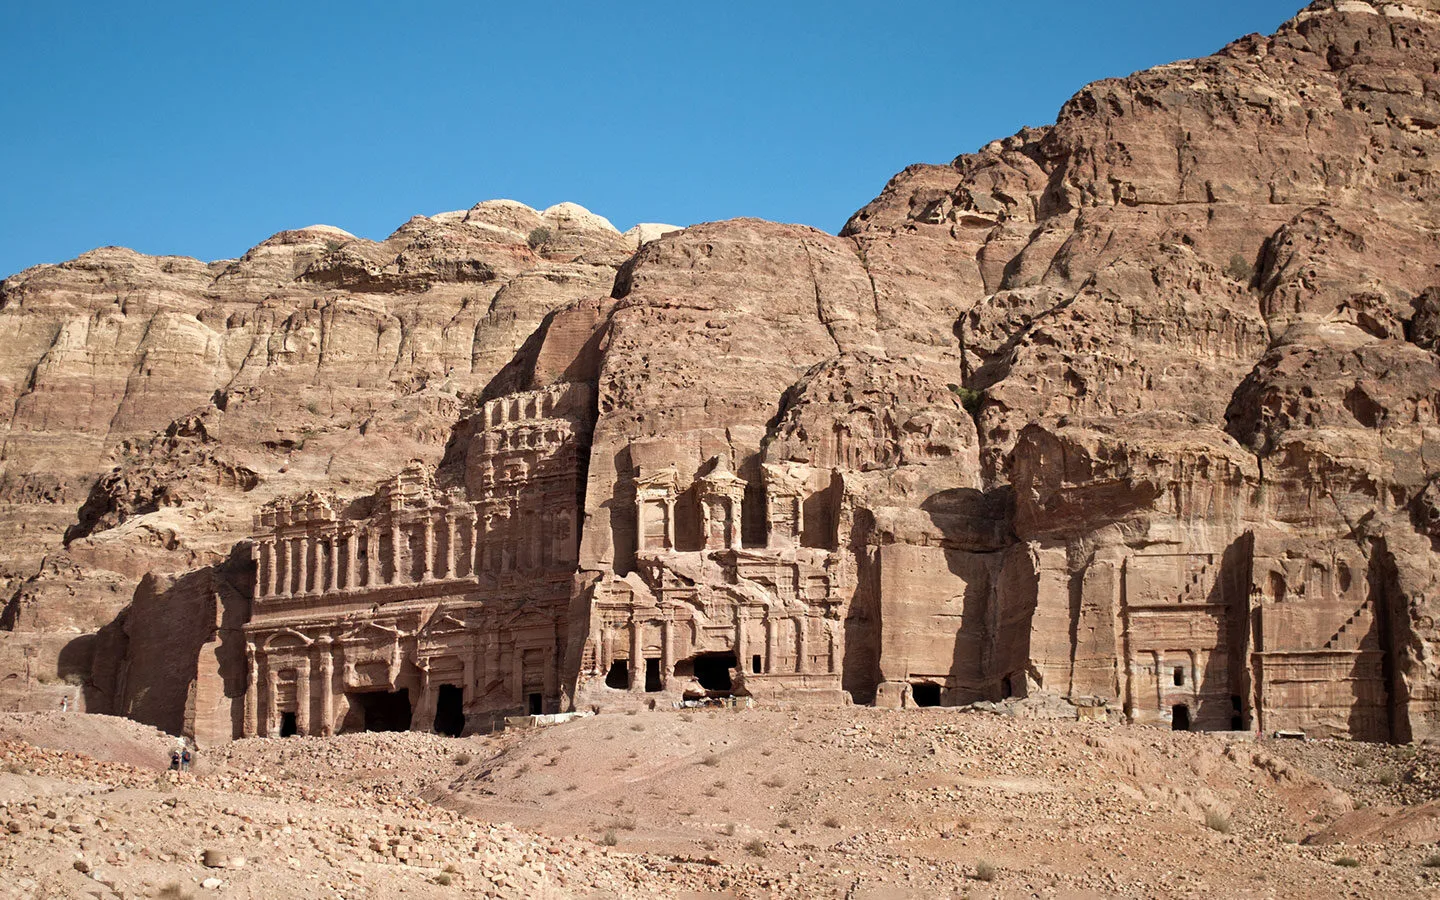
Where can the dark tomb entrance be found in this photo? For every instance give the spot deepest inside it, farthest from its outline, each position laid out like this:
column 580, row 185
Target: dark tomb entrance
column 537, row 704
column 288, row 725
column 450, row 711
column 925, row 693
column 652, row 675
column 383, row 711
column 1180, row 718
column 712, row 670
column 619, row 675
column 755, row 664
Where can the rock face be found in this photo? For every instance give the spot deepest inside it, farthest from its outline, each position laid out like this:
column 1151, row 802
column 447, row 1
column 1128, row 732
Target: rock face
column 1138, row 409
column 153, row 405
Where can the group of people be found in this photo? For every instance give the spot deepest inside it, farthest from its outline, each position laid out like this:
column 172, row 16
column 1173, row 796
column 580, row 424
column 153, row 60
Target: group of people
column 180, row 759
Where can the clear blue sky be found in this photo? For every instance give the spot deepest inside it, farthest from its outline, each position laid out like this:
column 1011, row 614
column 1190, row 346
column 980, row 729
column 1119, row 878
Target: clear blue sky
column 200, row 128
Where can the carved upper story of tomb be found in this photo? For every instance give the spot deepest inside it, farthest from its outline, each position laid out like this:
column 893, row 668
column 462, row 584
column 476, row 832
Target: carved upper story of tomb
column 516, row 518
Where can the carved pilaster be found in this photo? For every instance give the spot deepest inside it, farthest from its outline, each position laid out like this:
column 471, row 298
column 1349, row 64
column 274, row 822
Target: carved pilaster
column 272, row 697
column 396, row 577
column 637, row 662
column 302, row 696
column 802, row 644
column 427, row 547
column 667, row 650
column 252, row 693
column 449, row 567
column 372, row 556
column 352, row 565
column 303, row 587
column 769, row 643
column 327, row 686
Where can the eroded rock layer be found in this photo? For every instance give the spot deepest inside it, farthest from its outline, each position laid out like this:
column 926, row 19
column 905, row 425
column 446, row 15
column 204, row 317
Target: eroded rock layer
column 1137, row 410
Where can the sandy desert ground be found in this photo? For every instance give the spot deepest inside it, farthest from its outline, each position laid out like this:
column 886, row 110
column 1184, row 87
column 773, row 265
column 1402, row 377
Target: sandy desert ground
column 754, row 802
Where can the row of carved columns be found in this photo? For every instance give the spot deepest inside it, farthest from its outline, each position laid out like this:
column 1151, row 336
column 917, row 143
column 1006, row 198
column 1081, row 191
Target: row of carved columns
column 770, row 657
column 319, row 563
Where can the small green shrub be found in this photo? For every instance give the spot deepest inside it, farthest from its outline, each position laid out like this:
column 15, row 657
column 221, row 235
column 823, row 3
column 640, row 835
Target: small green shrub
column 540, row 234
column 832, row 822
column 729, row 829
column 970, row 399
column 712, row 760
column 463, row 759
column 1348, row 862
column 757, row 848
column 1385, row 778
column 610, row 838
column 1239, row 268
column 1432, row 861
column 985, row 871
column 444, row 879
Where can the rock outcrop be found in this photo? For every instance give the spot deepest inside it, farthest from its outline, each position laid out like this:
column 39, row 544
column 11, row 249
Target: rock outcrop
column 1138, row 410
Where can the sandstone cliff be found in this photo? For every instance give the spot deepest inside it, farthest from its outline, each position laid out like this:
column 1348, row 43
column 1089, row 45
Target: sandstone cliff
column 1138, row 409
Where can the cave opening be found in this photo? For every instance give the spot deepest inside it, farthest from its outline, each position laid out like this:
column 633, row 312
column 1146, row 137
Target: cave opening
column 619, row 675
column 1180, row 717
column 925, row 693
column 383, row 710
column 450, row 711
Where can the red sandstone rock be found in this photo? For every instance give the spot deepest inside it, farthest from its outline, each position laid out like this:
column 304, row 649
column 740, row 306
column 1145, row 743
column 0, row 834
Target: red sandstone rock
column 1136, row 410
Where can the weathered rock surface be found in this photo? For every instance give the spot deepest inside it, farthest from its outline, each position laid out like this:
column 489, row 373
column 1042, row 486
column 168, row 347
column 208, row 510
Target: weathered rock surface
column 151, row 405
column 1137, row 409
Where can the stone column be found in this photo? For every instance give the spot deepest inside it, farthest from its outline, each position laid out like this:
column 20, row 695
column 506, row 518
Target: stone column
column 769, row 643
column 670, row 524
column 303, row 586
column 449, row 567
column 637, row 663
column 302, row 696
column 352, row 565
column 252, row 693
column 372, row 556
column 640, row 525
column 424, row 715
column 272, row 695
column 667, row 650
column 395, row 575
column 427, row 547
column 475, row 538
column 732, row 525
column 327, row 686
column 742, row 646
column 263, row 569
column 287, row 587
column 831, row 630
column 334, row 555
column 802, row 642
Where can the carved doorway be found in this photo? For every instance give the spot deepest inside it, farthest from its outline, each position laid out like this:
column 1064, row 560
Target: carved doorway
column 383, row 711
column 1180, row 718
column 450, row 711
